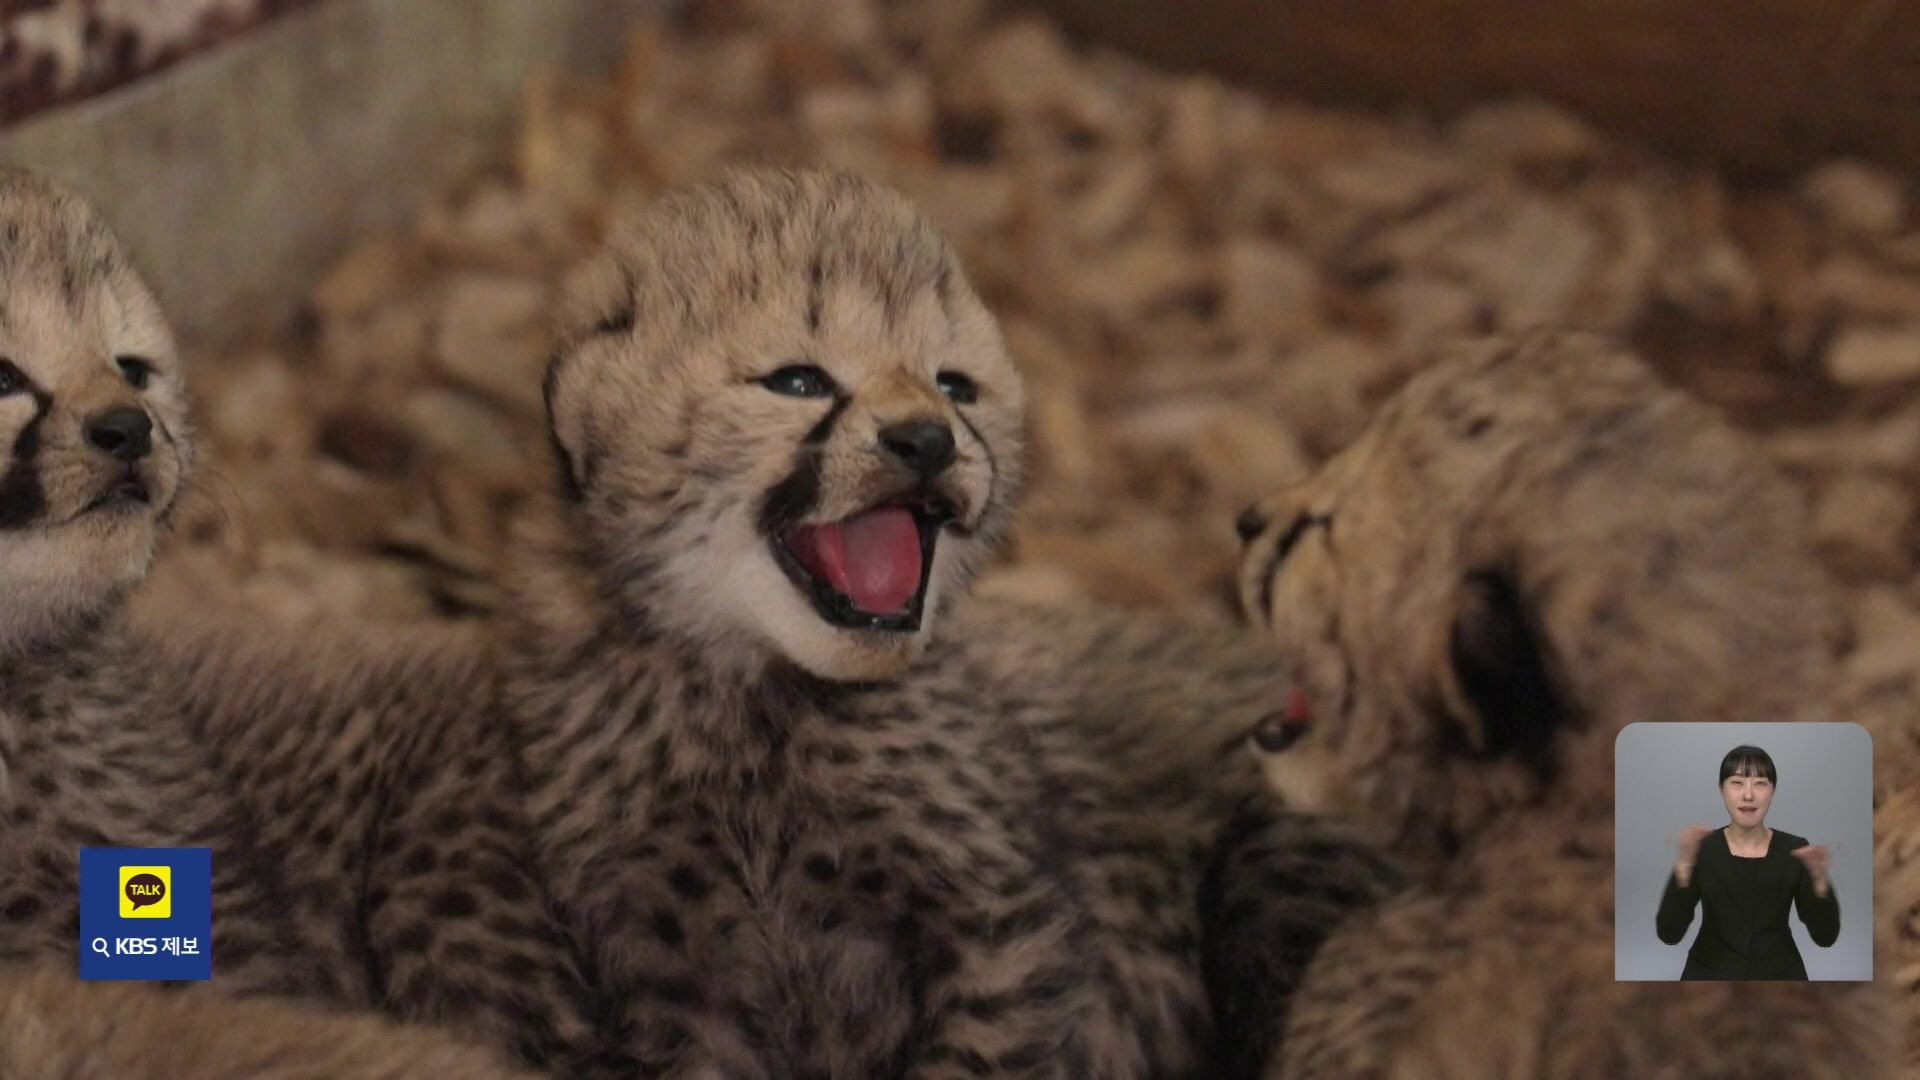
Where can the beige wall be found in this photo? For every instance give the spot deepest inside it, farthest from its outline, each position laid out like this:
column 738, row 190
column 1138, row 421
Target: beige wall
column 237, row 175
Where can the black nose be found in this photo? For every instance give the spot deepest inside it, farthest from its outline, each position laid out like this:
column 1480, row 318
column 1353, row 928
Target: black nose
column 925, row 446
column 1249, row 524
column 125, row 433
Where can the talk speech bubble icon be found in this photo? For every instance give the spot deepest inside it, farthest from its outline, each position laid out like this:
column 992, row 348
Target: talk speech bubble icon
column 145, row 890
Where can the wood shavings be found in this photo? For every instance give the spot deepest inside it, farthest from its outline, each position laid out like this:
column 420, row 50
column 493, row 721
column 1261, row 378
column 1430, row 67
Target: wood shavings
column 1857, row 197
column 1207, row 289
column 1872, row 355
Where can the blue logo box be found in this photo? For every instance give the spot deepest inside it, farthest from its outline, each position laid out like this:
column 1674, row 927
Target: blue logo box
column 146, row 913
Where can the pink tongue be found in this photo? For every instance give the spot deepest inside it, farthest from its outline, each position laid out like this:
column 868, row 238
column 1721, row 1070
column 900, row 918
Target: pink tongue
column 873, row 559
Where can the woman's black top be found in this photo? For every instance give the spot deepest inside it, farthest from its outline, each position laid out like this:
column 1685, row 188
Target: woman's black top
column 1744, row 934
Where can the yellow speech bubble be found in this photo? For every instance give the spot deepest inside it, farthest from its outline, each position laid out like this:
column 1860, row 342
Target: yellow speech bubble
column 146, row 892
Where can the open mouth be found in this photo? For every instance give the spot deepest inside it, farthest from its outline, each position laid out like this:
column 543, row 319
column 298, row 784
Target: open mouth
column 869, row 571
column 1748, row 809
column 129, row 492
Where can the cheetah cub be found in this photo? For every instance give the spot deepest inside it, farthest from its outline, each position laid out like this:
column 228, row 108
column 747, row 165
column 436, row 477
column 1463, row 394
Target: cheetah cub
column 94, row 451
column 810, row 811
column 1533, row 544
column 317, row 774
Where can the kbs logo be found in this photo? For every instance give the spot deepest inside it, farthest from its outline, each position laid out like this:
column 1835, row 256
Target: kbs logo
column 146, row 913
column 146, row 892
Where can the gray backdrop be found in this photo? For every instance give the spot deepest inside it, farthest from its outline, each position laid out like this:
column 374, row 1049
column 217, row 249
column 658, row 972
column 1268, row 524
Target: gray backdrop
column 1664, row 777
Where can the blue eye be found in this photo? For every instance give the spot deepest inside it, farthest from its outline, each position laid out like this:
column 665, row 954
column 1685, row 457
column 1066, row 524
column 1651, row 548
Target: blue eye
column 11, row 380
column 800, row 380
column 958, row 388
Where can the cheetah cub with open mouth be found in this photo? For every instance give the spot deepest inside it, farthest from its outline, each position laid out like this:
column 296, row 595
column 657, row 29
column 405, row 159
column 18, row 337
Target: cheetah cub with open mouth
column 1534, row 544
column 108, row 736
column 810, row 812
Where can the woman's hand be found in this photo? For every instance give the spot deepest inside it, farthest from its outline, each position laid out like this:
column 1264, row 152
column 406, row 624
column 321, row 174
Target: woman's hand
column 1690, row 838
column 1816, row 858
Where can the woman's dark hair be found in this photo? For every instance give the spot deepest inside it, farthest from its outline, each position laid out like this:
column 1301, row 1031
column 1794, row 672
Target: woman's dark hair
column 1747, row 761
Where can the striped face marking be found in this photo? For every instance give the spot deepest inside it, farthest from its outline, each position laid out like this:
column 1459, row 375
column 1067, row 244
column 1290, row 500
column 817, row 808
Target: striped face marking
column 23, row 498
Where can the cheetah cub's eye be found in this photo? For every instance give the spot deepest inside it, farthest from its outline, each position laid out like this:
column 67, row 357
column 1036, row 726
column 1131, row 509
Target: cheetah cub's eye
column 1274, row 734
column 135, row 370
column 12, row 381
column 799, row 380
column 958, row 388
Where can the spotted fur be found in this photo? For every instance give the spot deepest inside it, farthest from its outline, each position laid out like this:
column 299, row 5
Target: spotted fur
column 967, row 844
column 376, row 771
column 1534, row 544
column 1275, row 888
column 328, row 772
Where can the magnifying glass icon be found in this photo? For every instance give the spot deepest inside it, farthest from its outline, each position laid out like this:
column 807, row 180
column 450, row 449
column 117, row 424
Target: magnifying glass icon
column 100, row 946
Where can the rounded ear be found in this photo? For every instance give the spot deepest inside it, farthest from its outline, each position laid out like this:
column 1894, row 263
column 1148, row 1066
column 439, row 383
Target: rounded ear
column 565, row 431
column 597, row 302
column 1500, row 689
